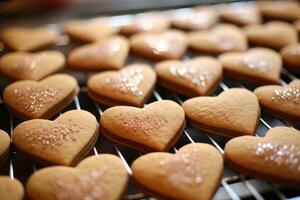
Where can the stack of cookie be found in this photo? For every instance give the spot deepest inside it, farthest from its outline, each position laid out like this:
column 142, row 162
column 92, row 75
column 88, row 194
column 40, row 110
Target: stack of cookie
column 186, row 54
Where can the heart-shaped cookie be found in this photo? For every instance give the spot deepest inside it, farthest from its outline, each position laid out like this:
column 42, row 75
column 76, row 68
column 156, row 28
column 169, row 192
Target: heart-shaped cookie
column 11, row 189
column 159, row 46
column 240, row 15
column 197, row 77
column 280, row 10
column 220, row 39
column 233, row 113
column 4, row 146
column 89, row 30
column 31, row 66
column 28, row 39
column 148, row 22
column 107, row 54
column 200, row 18
column 132, row 85
column 31, row 99
column 156, row 127
column 193, row 173
column 96, row 177
column 291, row 57
column 281, row 101
column 258, row 65
column 274, row 157
column 270, row 34
column 64, row 141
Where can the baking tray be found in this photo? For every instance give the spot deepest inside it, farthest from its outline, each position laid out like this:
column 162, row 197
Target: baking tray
column 233, row 185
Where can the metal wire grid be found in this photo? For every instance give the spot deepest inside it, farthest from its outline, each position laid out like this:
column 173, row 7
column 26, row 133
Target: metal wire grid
column 228, row 183
column 233, row 186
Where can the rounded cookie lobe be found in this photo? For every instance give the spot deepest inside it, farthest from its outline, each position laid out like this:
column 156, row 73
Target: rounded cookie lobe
column 270, row 34
column 220, row 39
column 11, row 189
column 281, row 101
column 89, row 30
column 148, row 22
column 241, row 15
column 193, row 173
column 200, row 18
column 273, row 157
column 132, row 85
column 156, row 127
column 28, row 39
column 96, row 177
column 31, row 66
column 170, row 44
column 257, row 65
column 197, row 77
column 106, row 54
column 40, row 99
column 64, row 141
column 234, row 112
column 291, row 57
column 280, row 10
column 4, row 146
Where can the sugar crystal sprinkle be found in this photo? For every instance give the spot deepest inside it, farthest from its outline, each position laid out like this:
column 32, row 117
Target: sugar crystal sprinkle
column 34, row 99
column 224, row 42
column 193, row 74
column 51, row 134
column 183, row 169
column 290, row 94
column 143, row 124
column 257, row 62
column 285, row 155
column 165, row 45
column 128, row 82
column 88, row 186
column 27, row 64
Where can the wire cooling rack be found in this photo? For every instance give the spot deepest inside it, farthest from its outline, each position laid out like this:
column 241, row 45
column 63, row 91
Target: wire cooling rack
column 233, row 185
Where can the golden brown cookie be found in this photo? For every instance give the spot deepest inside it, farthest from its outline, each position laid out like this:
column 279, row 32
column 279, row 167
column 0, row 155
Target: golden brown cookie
column 96, row 177
column 159, row 46
column 233, row 113
column 4, row 147
column 291, row 57
column 31, row 99
column 197, row 77
column 148, row 22
column 274, row 157
column 271, row 34
column 240, row 15
column 281, row 101
column 156, row 127
column 132, row 85
column 193, row 173
column 28, row 39
column 64, row 141
column 257, row 65
column 107, row 54
column 220, row 39
column 297, row 26
column 89, row 30
column 280, row 10
column 31, row 66
column 200, row 18
column 11, row 189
